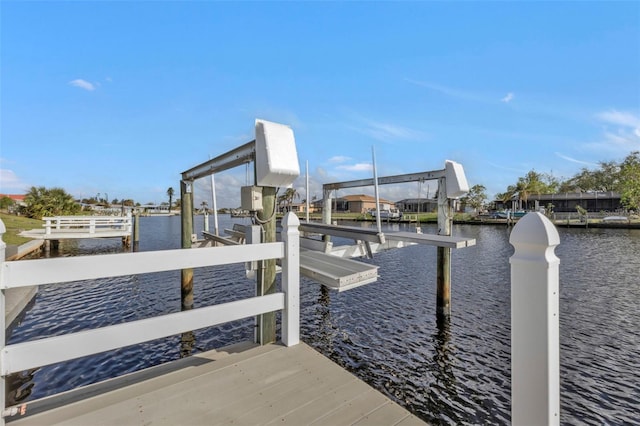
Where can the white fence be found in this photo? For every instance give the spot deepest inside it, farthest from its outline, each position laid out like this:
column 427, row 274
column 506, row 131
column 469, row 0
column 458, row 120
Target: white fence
column 23, row 356
column 89, row 224
column 535, row 353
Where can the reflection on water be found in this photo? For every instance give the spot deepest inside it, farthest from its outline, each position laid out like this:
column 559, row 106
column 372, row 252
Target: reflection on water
column 187, row 343
column 19, row 387
column 447, row 371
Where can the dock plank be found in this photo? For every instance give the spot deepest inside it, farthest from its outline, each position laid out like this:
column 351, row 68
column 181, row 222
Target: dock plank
column 355, row 409
column 247, row 384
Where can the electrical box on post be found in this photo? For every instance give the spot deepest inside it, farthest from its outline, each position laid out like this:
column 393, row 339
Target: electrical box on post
column 251, row 198
column 276, row 155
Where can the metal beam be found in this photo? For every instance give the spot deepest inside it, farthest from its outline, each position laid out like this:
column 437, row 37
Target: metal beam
column 386, row 180
column 236, row 157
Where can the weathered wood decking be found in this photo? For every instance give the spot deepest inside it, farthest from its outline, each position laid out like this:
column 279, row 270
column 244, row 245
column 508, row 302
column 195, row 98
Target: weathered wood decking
column 243, row 384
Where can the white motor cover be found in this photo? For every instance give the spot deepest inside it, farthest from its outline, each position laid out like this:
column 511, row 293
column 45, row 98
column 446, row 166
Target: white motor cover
column 276, row 155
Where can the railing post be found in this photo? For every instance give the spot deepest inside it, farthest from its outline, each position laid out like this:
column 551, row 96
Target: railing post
column 92, row 226
column 291, row 280
column 3, row 382
column 47, row 225
column 535, row 334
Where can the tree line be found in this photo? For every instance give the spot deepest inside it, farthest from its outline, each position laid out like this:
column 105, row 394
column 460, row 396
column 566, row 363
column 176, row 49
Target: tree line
column 622, row 177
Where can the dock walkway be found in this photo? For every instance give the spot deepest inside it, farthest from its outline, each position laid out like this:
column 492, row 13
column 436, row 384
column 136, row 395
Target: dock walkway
column 243, row 384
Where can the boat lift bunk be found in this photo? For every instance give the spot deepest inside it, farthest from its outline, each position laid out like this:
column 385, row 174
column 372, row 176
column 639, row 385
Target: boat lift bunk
column 331, row 271
column 330, row 265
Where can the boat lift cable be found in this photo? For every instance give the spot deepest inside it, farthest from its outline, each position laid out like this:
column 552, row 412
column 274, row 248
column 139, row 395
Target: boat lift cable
column 213, row 199
column 375, row 183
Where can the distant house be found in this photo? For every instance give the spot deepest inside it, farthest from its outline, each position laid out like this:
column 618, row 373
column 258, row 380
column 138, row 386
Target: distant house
column 415, row 205
column 17, row 198
column 567, row 202
column 18, row 202
column 302, row 207
column 360, row 203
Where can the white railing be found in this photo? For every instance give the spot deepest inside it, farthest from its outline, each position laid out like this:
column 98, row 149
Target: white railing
column 535, row 342
column 87, row 223
column 23, row 356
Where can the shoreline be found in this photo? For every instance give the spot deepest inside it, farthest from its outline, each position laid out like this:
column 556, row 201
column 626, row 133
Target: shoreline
column 505, row 222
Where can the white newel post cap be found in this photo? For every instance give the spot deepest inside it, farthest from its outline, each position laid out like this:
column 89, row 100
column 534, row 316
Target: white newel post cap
column 533, row 231
column 290, row 219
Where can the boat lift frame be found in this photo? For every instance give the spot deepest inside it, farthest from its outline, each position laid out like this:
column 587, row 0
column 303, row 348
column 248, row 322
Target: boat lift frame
column 445, row 217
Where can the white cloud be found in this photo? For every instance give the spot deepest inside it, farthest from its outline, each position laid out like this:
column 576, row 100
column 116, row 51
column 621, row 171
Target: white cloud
column 83, row 84
column 339, row 159
column 358, row 167
column 625, row 119
column 10, row 182
column 573, row 160
column 387, row 132
column 622, row 133
column 508, row 98
column 448, row 91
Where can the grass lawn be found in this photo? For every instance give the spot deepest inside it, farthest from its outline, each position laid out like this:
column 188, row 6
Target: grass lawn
column 16, row 224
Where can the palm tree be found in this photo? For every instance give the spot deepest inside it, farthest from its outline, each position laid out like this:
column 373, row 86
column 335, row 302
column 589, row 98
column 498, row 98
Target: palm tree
column 42, row 202
column 530, row 184
column 290, row 194
column 170, row 193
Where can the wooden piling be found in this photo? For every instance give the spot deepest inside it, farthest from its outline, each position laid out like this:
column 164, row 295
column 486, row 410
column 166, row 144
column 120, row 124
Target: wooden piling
column 266, row 282
column 443, row 267
column 186, row 212
column 136, row 231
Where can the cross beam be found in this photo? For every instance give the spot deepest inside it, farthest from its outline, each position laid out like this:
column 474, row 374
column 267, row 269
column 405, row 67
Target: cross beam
column 410, row 177
column 236, row 157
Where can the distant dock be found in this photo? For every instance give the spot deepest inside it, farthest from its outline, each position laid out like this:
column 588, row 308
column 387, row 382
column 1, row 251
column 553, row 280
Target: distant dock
column 79, row 227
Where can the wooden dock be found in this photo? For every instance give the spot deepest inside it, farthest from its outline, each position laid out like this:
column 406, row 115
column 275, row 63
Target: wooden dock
column 243, row 384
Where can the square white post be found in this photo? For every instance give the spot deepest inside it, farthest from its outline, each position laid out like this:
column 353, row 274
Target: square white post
column 535, row 330
column 291, row 280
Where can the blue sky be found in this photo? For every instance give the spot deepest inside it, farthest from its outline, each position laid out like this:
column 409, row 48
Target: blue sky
column 119, row 98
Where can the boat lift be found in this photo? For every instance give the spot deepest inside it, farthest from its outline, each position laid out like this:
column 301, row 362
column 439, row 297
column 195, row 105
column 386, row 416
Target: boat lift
column 274, row 155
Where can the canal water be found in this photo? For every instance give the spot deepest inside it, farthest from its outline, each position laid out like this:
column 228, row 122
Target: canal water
column 447, row 372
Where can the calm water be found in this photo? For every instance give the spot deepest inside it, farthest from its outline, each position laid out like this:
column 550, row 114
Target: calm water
column 447, row 372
